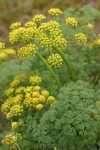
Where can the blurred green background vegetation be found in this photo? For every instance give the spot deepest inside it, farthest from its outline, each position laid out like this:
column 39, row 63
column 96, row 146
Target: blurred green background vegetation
column 23, row 10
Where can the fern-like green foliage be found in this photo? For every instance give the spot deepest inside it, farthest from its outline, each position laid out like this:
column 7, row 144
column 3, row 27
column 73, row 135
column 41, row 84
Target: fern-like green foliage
column 71, row 124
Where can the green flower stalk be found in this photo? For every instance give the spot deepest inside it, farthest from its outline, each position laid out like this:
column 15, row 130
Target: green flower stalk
column 50, row 69
column 66, row 62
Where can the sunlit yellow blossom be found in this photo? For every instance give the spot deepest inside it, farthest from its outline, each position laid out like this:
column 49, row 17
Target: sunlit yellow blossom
column 10, row 52
column 39, row 107
column 55, row 60
column 51, row 35
column 36, row 94
column 51, row 99
column 39, row 18
column 14, row 125
column 45, row 93
column 90, row 26
column 15, row 82
column 2, row 45
column 16, row 35
column 3, row 56
column 35, row 79
column 9, row 91
column 55, row 11
column 11, row 139
column 36, row 88
column 28, row 89
column 72, row 21
column 15, row 110
column 28, row 102
column 35, row 101
column 30, row 24
column 98, row 42
column 42, row 99
column 80, row 37
column 15, row 25
column 27, row 51
column 20, row 89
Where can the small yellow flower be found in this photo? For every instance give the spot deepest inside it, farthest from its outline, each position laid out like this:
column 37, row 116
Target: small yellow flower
column 90, row 26
column 10, row 52
column 39, row 18
column 80, row 37
column 36, row 88
column 14, row 125
column 3, row 56
column 36, row 94
column 27, row 51
column 39, row 107
column 15, row 25
column 42, row 99
column 35, row 79
column 2, row 45
column 72, row 21
column 55, row 60
column 55, row 11
column 98, row 42
column 45, row 93
column 35, row 101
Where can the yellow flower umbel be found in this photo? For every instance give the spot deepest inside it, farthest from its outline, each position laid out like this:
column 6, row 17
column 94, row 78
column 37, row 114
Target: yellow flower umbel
column 51, row 35
column 10, row 52
column 35, row 79
column 15, row 25
column 27, row 51
column 39, row 18
column 72, row 21
column 14, row 125
column 30, row 24
column 55, row 60
column 2, row 45
column 90, row 26
column 55, row 11
column 39, row 107
column 80, row 37
column 3, row 56
column 11, row 139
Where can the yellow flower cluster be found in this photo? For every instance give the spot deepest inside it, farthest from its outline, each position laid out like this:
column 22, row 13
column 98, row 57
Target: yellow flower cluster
column 22, row 98
column 15, row 111
column 15, row 35
column 30, row 24
column 11, row 139
column 80, row 37
column 35, row 79
column 15, row 25
column 27, row 51
column 39, row 18
column 55, row 11
column 2, row 45
column 15, row 82
column 10, row 52
column 72, row 21
column 15, row 124
column 50, row 35
column 90, row 26
column 4, row 54
column 55, row 60
column 95, row 44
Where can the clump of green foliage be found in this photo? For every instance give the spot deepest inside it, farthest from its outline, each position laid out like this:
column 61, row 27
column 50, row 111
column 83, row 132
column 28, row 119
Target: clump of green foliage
column 72, row 123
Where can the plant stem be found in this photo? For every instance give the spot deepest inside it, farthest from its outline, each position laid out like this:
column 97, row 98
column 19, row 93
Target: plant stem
column 66, row 62
column 50, row 69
